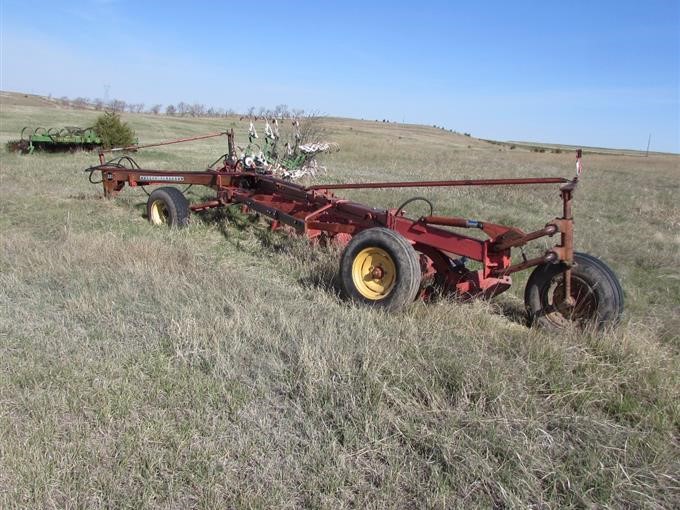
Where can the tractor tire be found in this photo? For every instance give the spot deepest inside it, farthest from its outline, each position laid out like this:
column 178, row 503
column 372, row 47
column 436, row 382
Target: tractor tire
column 595, row 289
column 380, row 268
column 168, row 206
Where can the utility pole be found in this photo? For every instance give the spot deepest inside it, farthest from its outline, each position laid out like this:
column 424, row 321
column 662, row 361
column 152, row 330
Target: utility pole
column 648, row 142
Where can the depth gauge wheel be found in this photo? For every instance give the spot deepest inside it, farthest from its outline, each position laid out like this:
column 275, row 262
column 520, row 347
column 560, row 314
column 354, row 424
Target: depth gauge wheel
column 380, row 268
column 597, row 297
column 168, row 206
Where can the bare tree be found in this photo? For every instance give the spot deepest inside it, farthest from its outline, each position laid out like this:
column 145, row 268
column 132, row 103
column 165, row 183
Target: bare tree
column 98, row 104
column 182, row 108
column 197, row 110
column 117, row 105
column 310, row 129
column 135, row 107
column 170, row 110
column 156, row 109
column 281, row 111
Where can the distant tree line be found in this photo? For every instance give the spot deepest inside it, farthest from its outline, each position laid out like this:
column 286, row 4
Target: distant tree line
column 180, row 109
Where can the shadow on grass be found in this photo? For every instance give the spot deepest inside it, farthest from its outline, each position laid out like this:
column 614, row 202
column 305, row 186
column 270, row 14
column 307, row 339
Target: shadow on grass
column 231, row 220
column 509, row 309
column 324, row 280
column 512, row 311
column 225, row 218
column 318, row 267
column 141, row 209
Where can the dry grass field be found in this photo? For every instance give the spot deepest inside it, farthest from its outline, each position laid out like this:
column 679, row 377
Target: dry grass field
column 217, row 367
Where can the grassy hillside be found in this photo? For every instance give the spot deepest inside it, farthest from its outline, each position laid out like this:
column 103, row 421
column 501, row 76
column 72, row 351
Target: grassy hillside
column 217, row 367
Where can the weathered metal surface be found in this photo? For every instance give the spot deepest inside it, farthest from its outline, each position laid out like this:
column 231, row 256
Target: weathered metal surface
column 446, row 184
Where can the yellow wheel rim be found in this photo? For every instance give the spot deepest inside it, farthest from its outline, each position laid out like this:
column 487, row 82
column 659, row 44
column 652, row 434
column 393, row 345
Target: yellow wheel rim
column 159, row 212
column 374, row 273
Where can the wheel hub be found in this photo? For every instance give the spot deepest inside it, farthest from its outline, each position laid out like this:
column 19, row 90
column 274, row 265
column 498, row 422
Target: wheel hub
column 579, row 307
column 374, row 273
column 377, row 273
column 159, row 213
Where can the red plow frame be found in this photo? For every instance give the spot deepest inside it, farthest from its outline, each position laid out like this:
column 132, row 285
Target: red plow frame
column 317, row 213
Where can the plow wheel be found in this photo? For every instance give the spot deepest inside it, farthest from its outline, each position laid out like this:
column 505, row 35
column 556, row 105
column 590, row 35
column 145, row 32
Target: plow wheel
column 168, row 206
column 380, row 268
column 597, row 297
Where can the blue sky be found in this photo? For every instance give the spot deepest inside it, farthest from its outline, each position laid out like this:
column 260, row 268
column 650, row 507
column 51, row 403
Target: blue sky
column 592, row 73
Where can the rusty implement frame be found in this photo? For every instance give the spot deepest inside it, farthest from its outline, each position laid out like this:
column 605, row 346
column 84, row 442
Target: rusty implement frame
column 316, row 212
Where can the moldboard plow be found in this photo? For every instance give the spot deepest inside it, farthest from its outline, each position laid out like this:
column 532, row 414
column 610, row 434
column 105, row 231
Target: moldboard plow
column 390, row 259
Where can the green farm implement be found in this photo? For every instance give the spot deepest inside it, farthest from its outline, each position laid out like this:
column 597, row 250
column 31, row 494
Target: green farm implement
column 67, row 139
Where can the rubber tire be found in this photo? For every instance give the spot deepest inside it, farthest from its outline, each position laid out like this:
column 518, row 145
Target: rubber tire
column 175, row 203
column 405, row 258
column 595, row 273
